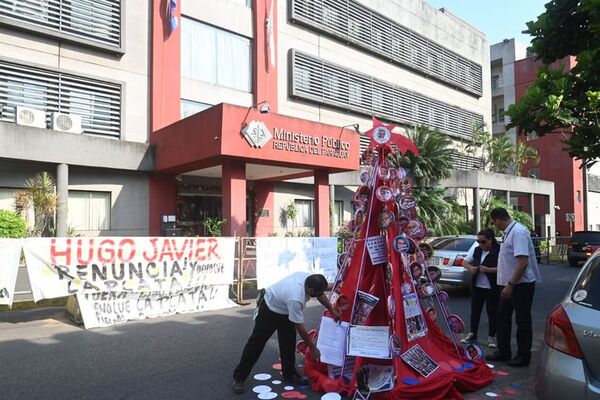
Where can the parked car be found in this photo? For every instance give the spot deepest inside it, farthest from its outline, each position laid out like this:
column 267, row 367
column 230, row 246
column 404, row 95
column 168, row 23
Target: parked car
column 569, row 365
column 582, row 245
column 448, row 255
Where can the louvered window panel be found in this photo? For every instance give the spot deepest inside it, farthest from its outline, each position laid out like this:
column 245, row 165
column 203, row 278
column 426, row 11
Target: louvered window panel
column 334, row 85
column 95, row 20
column 354, row 23
column 97, row 102
column 466, row 163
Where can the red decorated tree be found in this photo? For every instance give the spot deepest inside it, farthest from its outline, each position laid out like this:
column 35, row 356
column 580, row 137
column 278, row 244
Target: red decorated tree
column 398, row 339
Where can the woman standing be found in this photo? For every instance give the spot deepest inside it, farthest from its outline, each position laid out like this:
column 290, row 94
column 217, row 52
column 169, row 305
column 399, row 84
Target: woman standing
column 482, row 261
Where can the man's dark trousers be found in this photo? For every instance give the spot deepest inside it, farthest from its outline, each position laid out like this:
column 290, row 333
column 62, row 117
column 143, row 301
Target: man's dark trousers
column 520, row 302
column 266, row 323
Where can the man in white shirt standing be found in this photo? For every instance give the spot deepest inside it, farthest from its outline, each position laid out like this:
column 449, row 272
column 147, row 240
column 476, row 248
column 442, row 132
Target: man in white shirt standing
column 517, row 274
column 283, row 311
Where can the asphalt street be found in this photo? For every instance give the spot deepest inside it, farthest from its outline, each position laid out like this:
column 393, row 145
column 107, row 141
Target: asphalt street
column 191, row 356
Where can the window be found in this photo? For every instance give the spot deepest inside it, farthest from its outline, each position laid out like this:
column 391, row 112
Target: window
column 501, row 115
column 6, row 199
column 589, row 283
column 338, row 213
column 335, row 85
column 495, row 82
column 579, row 196
column 215, row 56
column 189, row 107
column 94, row 20
column 305, row 216
column 89, row 211
column 97, row 102
column 352, row 22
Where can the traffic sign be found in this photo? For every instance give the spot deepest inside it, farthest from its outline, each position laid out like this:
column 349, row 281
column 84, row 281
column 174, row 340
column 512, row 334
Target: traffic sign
column 570, row 217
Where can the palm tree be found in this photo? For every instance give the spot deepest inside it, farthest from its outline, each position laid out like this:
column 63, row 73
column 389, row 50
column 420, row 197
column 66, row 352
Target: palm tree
column 440, row 213
column 522, row 154
column 496, row 151
column 40, row 194
column 435, row 161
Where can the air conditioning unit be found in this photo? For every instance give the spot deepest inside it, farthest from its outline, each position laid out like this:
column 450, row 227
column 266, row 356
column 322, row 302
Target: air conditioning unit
column 30, row 117
column 66, row 122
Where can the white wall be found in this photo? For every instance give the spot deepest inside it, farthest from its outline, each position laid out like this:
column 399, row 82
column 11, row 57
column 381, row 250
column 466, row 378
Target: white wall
column 132, row 69
column 441, row 27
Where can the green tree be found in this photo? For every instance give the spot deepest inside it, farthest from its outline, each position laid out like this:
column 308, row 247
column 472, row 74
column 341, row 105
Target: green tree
column 496, row 152
column 40, row 194
column 435, row 161
column 559, row 100
column 522, row 154
column 12, row 225
column 495, row 202
column 440, row 213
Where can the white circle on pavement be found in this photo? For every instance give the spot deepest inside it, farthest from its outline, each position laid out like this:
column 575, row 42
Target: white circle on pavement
column 490, row 365
column 262, row 377
column 331, row 396
column 261, row 389
column 491, row 394
column 276, row 382
column 267, row 395
column 288, row 388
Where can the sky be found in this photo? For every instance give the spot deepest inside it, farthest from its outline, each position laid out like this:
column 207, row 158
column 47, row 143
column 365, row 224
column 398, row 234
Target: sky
column 497, row 19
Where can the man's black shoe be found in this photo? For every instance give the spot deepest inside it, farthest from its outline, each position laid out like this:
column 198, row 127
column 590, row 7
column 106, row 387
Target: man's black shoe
column 498, row 356
column 519, row 361
column 238, row 387
column 296, row 379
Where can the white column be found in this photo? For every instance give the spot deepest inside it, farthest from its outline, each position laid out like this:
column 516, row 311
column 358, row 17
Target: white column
column 476, row 209
column 332, row 208
column 62, row 189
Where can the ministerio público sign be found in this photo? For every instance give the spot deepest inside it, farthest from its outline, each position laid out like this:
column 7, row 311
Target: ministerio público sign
column 258, row 135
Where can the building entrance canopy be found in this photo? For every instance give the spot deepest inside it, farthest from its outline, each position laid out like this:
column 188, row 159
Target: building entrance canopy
column 238, row 144
column 228, row 132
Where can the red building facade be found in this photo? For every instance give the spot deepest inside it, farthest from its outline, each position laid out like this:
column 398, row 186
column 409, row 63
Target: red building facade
column 555, row 163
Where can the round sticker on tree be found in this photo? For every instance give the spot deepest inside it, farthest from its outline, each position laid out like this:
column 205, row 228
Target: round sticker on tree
column 432, row 314
column 381, row 134
column 407, row 202
column 384, row 194
column 416, row 270
column 456, row 323
column 364, row 177
column 442, row 296
column 385, row 219
column 415, row 230
column 401, row 244
column 426, row 249
column 401, row 173
column 434, row 273
column 473, row 351
column 384, row 172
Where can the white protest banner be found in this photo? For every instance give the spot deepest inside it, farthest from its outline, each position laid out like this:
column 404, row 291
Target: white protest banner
column 10, row 251
column 109, row 308
column 325, row 257
column 60, row 267
column 278, row 257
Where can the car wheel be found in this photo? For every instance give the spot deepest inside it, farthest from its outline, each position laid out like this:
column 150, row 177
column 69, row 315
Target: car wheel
column 573, row 262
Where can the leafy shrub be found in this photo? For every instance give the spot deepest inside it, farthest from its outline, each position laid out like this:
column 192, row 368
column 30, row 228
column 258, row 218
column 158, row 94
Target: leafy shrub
column 12, row 225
